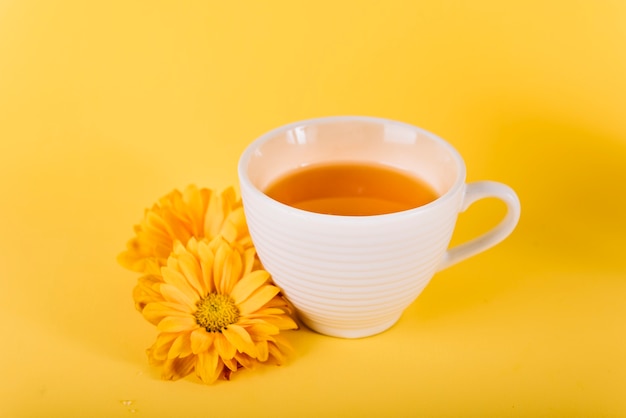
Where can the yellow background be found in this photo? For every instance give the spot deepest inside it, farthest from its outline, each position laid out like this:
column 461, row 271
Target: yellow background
column 107, row 105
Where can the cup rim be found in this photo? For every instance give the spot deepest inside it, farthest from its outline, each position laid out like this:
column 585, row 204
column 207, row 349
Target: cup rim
column 254, row 145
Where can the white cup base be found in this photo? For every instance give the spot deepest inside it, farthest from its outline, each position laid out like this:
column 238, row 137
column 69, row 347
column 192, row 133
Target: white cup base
column 349, row 332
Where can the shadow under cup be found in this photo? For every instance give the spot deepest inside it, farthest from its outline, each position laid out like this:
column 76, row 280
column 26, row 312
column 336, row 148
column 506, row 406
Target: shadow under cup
column 353, row 276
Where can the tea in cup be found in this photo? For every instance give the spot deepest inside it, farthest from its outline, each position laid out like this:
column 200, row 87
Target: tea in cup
column 352, row 216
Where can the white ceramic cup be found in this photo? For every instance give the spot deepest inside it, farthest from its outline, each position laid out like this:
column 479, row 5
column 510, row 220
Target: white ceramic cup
column 353, row 276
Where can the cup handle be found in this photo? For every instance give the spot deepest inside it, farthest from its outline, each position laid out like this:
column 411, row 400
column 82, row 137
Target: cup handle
column 474, row 192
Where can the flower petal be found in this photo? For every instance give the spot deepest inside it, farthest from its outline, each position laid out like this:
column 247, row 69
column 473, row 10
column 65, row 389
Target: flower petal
column 208, row 366
column 133, row 258
column 218, row 264
column 249, row 261
column 229, row 231
column 225, row 349
column 157, row 226
column 161, row 346
column 174, row 294
column 261, row 328
column 179, row 227
column 258, row 299
column 178, row 368
column 195, row 205
column 207, row 261
column 278, row 302
column 229, row 196
column 275, row 352
column 248, row 285
column 147, row 291
column 240, row 338
column 278, row 349
column 214, row 216
column 227, row 269
column 201, row 340
column 283, row 322
column 181, row 347
column 234, row 228
column 231, row 363
column 263, row 312
column 156, row 311
column 178, row 279
column 190, row 269
column 177, row 324
column 262, row 349
column 246, row 361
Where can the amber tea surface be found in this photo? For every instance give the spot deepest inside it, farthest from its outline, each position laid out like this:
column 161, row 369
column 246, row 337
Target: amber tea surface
column 351, row 189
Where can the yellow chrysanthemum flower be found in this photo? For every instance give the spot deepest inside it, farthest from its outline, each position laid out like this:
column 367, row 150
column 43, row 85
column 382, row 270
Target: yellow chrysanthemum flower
column 199, row 213
column 215, row 312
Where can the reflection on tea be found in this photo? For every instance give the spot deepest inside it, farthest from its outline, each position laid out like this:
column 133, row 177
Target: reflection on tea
column 351, row 189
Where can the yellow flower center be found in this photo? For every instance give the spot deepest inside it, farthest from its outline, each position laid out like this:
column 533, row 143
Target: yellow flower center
column 216, row 312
